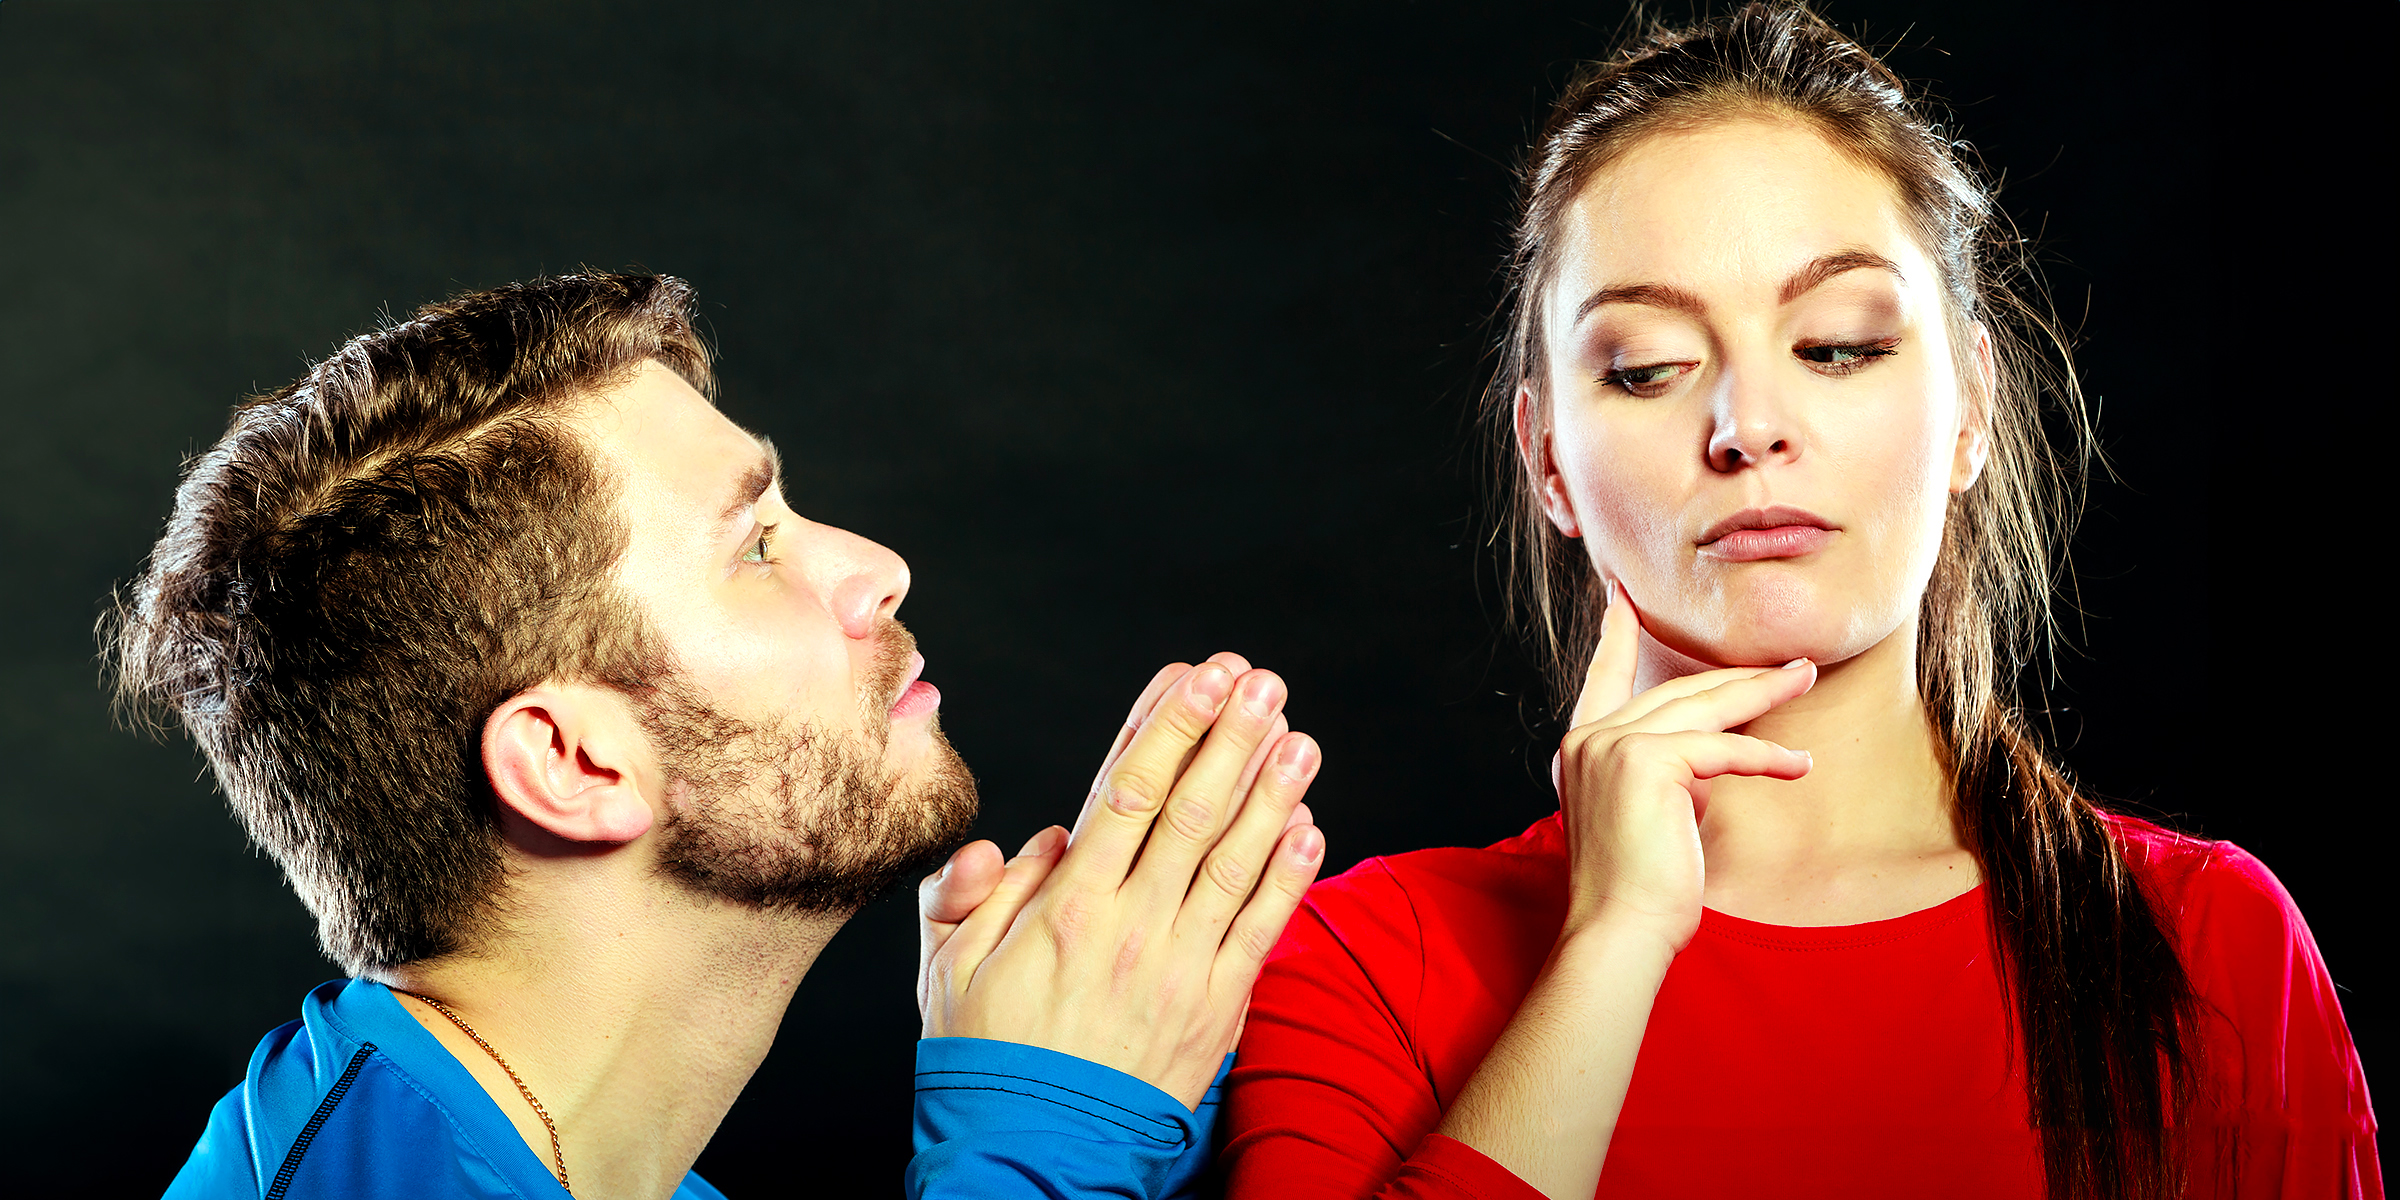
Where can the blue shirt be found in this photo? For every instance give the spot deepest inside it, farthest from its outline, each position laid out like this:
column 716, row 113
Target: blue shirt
column 999, row 1121
column 356, row 1101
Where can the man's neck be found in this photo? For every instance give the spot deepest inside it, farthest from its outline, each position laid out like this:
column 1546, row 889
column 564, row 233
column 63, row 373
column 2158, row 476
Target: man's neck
column 1868, row 833
column 634, row 1024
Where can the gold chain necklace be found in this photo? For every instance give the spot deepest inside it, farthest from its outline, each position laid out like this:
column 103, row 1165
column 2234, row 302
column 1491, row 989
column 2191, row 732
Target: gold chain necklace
column 522, row 1090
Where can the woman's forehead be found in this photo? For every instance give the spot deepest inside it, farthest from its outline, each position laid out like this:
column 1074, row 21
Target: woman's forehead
column 1735, row 205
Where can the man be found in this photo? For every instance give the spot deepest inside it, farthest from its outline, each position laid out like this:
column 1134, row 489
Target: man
column 580, row 745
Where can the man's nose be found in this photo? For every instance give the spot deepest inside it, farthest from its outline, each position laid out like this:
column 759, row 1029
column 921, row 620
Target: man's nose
column 876, row 582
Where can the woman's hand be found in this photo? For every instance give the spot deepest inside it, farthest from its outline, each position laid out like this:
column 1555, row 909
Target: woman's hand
column 1135, row 943
column 1632, row 777
column 1633, row 772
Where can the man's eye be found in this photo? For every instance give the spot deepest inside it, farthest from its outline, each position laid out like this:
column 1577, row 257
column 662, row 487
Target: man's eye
column 1644, row 381
column 762, row 550
column 1844, row 359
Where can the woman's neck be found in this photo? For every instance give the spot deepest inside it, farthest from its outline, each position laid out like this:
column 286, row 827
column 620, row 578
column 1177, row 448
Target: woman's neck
column 1868, row 833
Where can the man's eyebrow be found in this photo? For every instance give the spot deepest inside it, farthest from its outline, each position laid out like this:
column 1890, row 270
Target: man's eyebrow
column 1827, row 266
column 753, row 483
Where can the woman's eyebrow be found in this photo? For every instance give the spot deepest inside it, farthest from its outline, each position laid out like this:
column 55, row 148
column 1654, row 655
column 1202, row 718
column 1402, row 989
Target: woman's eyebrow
column 1827, row 266
column 1656, row 295
column 1802, row 281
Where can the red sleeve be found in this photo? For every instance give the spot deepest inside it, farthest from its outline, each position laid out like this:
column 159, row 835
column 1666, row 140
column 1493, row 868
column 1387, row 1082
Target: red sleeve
column 2283, row 1108
column 1330, row 1098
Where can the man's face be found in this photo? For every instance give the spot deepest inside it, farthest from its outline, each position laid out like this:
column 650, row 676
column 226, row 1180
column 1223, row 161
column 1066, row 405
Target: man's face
column 804, row 763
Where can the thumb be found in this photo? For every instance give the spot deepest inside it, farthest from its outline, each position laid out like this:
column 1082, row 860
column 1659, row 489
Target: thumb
column 1608, row 682
column 948, row 895
column 944, row 899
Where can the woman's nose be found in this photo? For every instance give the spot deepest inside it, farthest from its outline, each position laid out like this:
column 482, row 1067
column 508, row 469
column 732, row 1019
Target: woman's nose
column 1752, row 425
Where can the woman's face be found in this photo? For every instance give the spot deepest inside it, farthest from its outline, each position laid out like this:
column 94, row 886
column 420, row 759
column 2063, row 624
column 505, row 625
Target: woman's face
column 1755, row 419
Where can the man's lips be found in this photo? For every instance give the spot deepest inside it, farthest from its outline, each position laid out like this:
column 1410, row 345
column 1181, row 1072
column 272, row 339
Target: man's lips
column 1781, row 531
column 916, row 695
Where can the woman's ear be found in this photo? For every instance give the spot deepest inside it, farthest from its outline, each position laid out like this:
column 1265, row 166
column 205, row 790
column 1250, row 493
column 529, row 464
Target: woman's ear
column 1975, row 416
column 1533, row 449
column 562, row 757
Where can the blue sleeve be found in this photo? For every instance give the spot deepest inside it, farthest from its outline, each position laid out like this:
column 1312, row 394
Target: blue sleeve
column 999, row 1121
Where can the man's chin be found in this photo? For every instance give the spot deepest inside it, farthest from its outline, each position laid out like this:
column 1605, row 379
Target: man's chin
column 940, row 788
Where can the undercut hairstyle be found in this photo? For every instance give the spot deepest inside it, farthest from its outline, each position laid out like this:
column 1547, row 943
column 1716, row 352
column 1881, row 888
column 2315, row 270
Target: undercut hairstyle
column 369, row 562
column 2101, row 1002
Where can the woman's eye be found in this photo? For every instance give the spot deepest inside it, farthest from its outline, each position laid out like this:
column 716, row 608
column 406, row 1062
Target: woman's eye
column 1651, row 380
column 1844, row 359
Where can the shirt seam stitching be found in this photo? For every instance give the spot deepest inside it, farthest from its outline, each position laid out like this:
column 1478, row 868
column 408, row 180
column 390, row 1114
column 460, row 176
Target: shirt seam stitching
column 1178, row 1141
column 1131, row 1112
column 316, row 1121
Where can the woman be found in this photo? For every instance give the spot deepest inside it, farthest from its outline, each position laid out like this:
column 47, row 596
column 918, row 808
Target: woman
column 1836, row 926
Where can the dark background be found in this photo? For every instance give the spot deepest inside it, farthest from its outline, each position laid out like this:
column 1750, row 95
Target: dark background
column 1141, row 335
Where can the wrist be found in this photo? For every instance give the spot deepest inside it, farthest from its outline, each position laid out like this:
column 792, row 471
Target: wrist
column 1618, row 940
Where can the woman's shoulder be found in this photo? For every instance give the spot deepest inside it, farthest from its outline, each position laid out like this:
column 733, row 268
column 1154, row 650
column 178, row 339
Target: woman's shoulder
column 2213, row 889
column 1455, row 896
column 1402, row 934
column 2271, row 1023
column 1531, row 863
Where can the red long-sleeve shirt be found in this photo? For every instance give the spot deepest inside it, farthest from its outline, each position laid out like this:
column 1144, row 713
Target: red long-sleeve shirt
column 1848, row 1061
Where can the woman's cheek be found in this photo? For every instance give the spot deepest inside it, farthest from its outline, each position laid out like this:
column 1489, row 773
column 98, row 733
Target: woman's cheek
column 1624, row 503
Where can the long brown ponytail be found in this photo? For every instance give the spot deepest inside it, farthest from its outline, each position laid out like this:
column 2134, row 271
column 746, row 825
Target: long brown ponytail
column 2100, row 999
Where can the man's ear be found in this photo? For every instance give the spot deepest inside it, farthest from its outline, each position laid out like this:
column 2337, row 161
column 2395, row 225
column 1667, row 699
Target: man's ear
column 1975, row 417
column 563, row 757
column 1533, row 449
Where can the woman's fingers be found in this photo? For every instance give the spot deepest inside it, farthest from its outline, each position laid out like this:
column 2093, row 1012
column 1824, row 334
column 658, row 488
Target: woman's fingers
column 1244, row 855
column 974, row 938
column 1698, row 754
column 1674, row 689
column 1608, row 681
column 1728, row 704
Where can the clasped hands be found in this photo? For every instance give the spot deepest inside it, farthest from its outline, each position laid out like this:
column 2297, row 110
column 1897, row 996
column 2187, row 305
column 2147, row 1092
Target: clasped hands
column 1134, row 941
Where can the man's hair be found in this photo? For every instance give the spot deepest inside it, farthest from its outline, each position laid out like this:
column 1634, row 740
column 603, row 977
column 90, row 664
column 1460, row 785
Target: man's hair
column 371, row 561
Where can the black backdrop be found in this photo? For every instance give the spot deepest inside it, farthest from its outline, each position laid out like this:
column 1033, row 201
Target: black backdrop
column 1140, row 334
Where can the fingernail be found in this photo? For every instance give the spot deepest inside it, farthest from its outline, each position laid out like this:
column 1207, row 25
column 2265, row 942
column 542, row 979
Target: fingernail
column 1033, row 845
column 1297, row 760
column 1797, row 662
column 1308, row 846
column 1258, row 695
column 1210, row 685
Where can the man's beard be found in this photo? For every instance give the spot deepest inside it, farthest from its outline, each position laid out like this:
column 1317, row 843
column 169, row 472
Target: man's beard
column 792, row 815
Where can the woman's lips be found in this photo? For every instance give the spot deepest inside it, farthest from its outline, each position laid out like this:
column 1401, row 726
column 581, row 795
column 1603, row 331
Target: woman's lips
column 1777, row 541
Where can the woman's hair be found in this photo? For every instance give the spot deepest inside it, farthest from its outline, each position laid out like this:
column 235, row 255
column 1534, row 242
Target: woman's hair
column 2101, row 1000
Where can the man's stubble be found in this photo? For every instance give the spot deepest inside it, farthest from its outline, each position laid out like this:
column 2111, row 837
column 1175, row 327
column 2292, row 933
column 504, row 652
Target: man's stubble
column 791, row 814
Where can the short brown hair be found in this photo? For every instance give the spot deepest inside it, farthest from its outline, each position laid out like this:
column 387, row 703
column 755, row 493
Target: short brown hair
column 369, row 562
